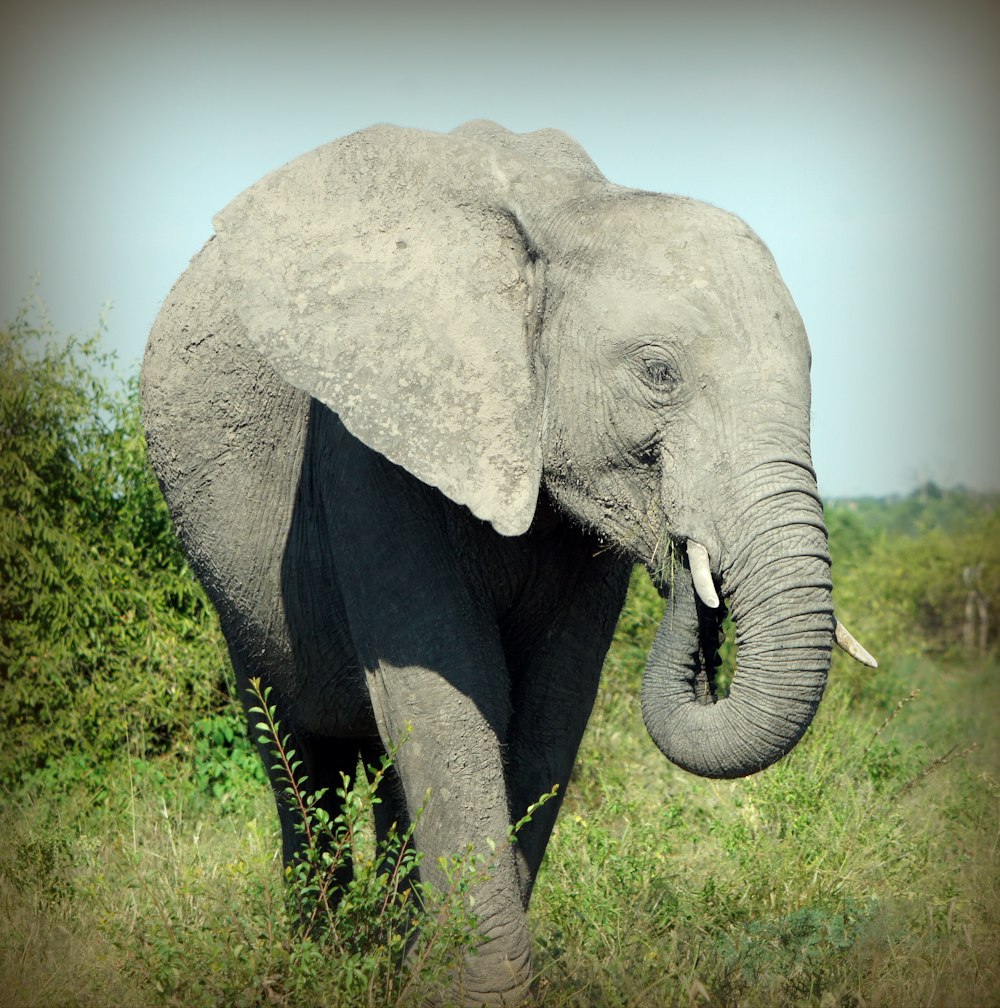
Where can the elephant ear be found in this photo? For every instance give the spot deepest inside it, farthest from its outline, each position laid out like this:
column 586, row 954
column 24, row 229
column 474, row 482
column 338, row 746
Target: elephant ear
column 386, row 275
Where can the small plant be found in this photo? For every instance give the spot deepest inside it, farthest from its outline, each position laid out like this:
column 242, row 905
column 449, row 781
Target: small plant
column 793, row 958
column 392, row 936
column 224, row 761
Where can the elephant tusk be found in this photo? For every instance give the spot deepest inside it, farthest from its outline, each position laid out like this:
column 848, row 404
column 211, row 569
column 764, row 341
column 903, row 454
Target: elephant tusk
column 846, row 642
column 701, row 574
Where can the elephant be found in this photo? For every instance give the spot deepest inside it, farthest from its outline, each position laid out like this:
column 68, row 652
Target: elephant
column 418, row 407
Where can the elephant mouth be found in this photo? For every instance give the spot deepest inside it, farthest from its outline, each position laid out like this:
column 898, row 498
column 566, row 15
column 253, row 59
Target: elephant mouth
column 711, row 637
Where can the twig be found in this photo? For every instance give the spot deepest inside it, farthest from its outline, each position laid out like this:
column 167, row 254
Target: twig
column 936, row 764
column 913, row 694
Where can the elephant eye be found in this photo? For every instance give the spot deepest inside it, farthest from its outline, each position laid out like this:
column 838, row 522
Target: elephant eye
column 658, row 374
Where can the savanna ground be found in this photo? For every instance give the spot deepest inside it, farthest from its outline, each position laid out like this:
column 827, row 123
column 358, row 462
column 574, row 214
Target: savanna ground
column 139, row 861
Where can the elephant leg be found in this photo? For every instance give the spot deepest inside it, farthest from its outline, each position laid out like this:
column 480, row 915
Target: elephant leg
column 553, row 692
column 439, row 687
column 450, row 767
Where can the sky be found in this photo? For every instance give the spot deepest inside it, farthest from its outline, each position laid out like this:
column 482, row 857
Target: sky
column 860, row 140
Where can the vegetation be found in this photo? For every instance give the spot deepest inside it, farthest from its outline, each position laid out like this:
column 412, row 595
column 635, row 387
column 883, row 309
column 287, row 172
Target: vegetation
column 106, row 640
column 140, row 859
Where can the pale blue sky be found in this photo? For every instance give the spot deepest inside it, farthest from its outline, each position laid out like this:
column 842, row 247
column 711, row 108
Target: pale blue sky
column 860, row 140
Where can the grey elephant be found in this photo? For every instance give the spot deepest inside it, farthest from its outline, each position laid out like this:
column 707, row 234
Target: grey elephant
column 419, row 406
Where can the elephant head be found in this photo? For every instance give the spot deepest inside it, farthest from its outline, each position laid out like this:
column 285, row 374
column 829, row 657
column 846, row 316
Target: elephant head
column 486, row 310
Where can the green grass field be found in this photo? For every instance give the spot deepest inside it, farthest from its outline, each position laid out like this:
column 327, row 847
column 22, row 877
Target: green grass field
column 139, row 861
column 862, row 870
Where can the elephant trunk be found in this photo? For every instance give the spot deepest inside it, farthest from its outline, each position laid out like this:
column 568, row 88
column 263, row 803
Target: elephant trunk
column 777, row 586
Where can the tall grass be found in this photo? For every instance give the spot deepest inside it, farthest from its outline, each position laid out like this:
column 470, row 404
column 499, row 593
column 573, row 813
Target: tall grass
column 164, row 898
column 861, row 870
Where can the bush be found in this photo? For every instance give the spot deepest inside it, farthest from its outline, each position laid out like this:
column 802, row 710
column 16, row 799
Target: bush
column 905, row 594
column 106, row 640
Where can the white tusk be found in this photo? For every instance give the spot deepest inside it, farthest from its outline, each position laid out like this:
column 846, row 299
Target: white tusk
column 847, row 642
column 701, row 574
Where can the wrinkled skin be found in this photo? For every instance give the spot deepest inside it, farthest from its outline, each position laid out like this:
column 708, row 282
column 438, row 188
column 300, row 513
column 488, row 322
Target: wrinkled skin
column 419, row 407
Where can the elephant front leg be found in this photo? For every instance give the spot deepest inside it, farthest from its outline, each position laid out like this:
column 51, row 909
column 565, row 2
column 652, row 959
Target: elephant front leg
column 447, row 753
column 554, row 689
column 403, row 558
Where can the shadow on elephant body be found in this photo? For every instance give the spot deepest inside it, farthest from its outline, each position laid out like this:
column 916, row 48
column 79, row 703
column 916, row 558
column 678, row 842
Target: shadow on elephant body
column 381, row 570
column 435, row 630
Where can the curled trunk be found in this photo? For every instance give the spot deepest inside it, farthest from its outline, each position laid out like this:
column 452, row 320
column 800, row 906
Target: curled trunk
column 778, row 589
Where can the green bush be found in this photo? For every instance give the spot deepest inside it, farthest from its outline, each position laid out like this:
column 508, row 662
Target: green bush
column 904, row 594
column 224, row 763
column 106, row 640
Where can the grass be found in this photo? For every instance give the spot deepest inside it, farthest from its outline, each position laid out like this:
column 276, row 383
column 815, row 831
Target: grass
column 186, row 905
column 862, row 870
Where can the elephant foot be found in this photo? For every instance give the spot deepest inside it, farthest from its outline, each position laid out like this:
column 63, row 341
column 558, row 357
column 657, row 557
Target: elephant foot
column 497, row 973
column 499, row 984
column 490, row 977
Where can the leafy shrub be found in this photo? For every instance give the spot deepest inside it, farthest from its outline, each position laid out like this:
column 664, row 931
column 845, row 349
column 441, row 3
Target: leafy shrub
column 225, row 765
column 387, row 931
column 106, row 640
column 906, row 594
